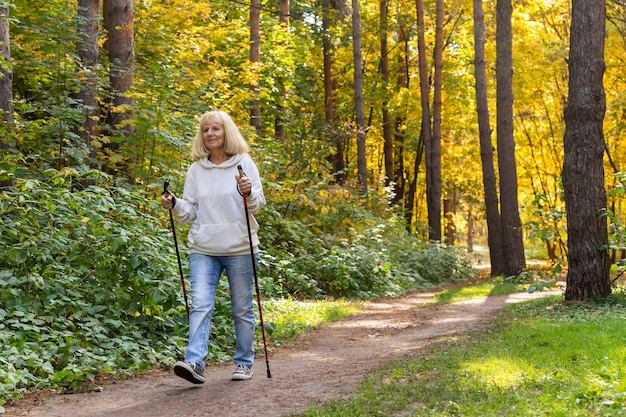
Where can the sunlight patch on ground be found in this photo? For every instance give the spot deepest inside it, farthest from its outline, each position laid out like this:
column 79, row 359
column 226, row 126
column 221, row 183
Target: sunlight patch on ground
column 495, row 372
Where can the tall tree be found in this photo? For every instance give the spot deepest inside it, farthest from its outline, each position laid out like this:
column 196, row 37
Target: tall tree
column 399, row 121
column 494, row 227
column 336, row 157
column 279, row 121
column 358, row 96
column 6, row 77
column 384, row 69
column 583, row 170
column 7, row 130
column 88, row 53
column 255, row 61
column 435, row 148
column 512, row 239
column 433, row 202
column 120, row 47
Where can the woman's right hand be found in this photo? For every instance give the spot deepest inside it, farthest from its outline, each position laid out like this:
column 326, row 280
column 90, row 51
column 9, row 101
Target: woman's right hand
column 168, row 201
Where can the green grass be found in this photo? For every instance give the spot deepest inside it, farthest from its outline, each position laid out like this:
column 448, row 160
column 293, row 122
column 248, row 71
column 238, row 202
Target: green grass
column 286, row 318
column 494, row 286
column 541, row 358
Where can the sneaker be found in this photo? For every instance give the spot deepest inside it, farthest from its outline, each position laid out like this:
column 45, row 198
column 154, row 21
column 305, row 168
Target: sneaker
column 191, row 371
column 242, row 372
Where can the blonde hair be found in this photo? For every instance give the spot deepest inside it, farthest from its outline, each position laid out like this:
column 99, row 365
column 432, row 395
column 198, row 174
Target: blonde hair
column 234, row 143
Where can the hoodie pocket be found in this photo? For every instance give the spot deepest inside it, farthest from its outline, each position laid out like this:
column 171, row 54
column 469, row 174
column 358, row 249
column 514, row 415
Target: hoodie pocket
column 219, row 238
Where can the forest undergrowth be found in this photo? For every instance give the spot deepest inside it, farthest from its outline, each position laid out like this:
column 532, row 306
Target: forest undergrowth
column 90, row 285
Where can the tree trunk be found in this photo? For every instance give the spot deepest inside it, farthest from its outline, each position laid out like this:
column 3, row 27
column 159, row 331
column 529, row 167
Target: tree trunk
column 435, row 159
column 449, row 211
column 279, row 121
column 433, row 202
column 470, row 230
column 6, row 80
column 410, row 203
column 88, row 53
column 358, row 96
column 399, row 120
column 336, row 157
column 583, row 171
column 494, row 227
column 7, row 130
column 384, row 69
column 255, row 60
column 512, row 241
column 118, row 22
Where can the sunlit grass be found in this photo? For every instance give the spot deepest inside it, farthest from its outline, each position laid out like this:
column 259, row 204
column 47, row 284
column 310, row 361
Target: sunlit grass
column 286, row 318
column 541, row 358
column 484, row 289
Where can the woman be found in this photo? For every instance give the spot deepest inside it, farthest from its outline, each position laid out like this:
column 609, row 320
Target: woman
column 218, row 239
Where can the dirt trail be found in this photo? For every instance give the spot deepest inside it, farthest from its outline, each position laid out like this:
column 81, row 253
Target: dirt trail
column 325, row 364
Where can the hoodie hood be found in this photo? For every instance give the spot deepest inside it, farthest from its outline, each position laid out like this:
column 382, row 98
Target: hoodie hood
column 213, row 203
column 232, row 161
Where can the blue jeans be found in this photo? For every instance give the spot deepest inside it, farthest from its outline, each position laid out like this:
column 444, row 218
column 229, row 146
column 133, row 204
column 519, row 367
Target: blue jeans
column 205, row 272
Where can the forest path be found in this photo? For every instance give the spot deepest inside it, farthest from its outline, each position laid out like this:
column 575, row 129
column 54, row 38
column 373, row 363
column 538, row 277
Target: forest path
column 327, row 363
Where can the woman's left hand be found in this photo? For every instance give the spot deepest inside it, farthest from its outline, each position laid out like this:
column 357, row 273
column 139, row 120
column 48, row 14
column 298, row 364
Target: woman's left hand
column 244, row 184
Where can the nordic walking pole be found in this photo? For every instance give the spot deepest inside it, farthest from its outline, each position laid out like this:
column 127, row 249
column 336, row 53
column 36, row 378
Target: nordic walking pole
column 256, row 281
column 180, row 266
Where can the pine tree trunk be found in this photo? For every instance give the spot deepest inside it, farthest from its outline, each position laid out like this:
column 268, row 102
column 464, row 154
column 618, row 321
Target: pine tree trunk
column 88, row 53
column 336, row 157
column 384, row 69
column 6, row 74
column 358, row 96
column 7, row 138
column 255, row 60
column 583, row 170
column 494, row 228
column 120, row 47
column 435, row 159
column 512, row 239
column 399, row 121
column 279, row 121
column 433, row 202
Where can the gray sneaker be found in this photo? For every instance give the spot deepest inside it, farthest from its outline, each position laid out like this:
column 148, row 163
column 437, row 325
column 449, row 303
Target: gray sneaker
column 242, row 372
column 191, row 371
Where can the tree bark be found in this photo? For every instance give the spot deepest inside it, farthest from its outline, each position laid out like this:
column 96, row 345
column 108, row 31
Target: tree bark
column 410, row 203
column 583, row 170
column 384, row 69
column 494, row 227
column 449, row 211
column 434, row 208
column 512, row 241
column 7, row 135
column 88, row 53
column 6, row 77
column 399, row 121
column 255, row 60
column 279, row 121
column 336, row 157
column 435, row 159
column 358, row 96
column 120, row 47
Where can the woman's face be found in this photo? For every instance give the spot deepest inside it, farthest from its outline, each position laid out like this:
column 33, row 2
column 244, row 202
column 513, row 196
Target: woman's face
column 213, row 136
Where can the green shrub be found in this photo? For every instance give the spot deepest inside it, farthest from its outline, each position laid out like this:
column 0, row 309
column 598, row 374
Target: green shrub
column 88, row 285
column 373, row 257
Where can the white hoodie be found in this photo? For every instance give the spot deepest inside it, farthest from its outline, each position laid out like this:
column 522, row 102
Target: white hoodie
column 212, row 201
